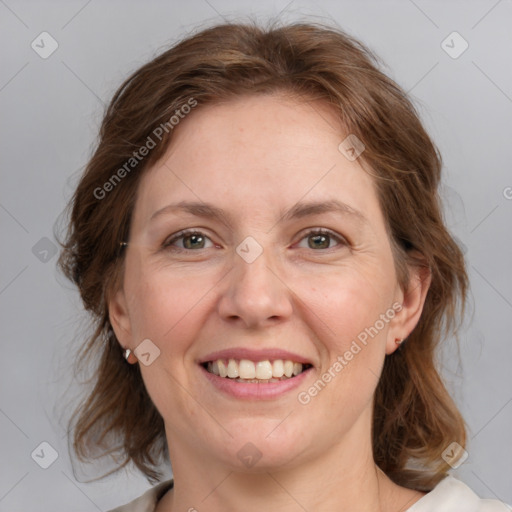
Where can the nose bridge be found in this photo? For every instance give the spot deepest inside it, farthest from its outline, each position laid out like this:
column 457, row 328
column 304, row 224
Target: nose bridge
column 255, row 292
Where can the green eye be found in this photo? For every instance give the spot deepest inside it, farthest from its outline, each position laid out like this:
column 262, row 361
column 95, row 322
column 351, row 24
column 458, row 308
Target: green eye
column 321, row 239
column 192, row 240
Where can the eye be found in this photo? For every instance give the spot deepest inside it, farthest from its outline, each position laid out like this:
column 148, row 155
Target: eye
column 191, row 240
column 320, row 238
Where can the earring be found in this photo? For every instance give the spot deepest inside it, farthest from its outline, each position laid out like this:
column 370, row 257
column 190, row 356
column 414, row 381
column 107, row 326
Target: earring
column 129, row 356
column 399, row 341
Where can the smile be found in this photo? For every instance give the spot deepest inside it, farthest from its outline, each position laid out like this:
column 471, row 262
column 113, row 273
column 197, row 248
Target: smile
column 260, row 372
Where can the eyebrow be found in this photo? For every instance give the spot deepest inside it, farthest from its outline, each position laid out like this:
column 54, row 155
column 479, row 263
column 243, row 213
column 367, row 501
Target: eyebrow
column 299, row 210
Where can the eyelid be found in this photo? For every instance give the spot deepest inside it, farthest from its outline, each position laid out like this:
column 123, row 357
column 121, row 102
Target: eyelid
column 176, row 236
column 324, row 231
column 199, row 231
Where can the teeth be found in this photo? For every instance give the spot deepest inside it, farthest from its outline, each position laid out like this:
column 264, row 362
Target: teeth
column 259, row 372
column 277, row 368
column 263, row 370
column 223, row 371
column 232, row 369
column 247, row 369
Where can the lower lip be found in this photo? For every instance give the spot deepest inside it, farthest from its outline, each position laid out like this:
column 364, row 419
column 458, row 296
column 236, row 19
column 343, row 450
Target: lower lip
column 255, row 391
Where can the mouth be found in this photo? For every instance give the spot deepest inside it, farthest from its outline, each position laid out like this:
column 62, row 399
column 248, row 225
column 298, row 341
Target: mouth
column 246, row 371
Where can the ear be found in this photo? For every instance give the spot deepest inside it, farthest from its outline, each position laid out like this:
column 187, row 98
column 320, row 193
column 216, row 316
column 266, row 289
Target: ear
column 412, row 300
column 120, row 318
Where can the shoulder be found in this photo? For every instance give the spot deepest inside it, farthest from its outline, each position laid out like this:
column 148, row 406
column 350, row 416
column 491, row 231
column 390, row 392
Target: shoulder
column 448, row 496
column 452, row 495
column 147, row 502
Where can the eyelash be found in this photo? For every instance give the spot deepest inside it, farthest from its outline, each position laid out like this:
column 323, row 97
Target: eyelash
column 167, row 245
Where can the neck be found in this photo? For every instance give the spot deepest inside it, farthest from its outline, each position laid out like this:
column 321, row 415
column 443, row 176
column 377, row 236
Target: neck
column 344, row 477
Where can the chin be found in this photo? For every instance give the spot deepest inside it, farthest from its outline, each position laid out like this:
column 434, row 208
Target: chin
column 262, row 445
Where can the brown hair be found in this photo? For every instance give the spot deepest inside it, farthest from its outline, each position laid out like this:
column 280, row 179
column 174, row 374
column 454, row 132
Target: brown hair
column 414, row 417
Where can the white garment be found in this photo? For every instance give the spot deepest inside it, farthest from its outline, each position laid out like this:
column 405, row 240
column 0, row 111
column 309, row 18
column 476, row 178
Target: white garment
column 147, row 502
column 449, row 495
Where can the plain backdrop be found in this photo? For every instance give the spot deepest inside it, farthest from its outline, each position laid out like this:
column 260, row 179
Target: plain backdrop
column 50, row 112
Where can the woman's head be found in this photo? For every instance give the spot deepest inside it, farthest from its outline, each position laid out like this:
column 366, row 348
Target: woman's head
column 260, row 123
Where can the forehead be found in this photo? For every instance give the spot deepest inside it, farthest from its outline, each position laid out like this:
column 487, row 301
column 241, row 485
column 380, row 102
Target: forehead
column 257, row 154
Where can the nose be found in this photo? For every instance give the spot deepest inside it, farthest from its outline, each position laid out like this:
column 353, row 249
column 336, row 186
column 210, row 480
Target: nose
column 254, row 294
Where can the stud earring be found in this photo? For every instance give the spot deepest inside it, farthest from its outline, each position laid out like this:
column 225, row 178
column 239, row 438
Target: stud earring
column 399, row 341
column 129, row 356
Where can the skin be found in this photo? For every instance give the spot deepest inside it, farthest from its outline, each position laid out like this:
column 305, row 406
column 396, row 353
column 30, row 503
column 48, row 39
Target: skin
column 254, row 157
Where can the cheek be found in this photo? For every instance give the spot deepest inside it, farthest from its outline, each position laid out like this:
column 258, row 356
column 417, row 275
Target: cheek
column 348, row 303
column 347, row 309
column 165, row 307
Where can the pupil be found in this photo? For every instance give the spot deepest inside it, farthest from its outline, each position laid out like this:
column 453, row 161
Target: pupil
column 323, row 238
column 194, row 238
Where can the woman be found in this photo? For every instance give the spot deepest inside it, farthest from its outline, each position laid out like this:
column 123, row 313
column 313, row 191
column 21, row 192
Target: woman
column 259, row 233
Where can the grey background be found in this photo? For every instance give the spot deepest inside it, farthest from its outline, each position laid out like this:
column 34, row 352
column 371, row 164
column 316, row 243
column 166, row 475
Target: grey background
column 50, row 112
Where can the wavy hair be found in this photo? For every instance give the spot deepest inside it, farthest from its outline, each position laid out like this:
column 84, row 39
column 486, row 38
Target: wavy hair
column 414, row 417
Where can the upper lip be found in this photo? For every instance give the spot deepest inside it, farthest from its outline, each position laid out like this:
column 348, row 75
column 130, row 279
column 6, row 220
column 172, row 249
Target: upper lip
column 255, row 355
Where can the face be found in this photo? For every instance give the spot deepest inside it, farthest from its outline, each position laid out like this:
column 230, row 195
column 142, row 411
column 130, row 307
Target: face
column 268, row 279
